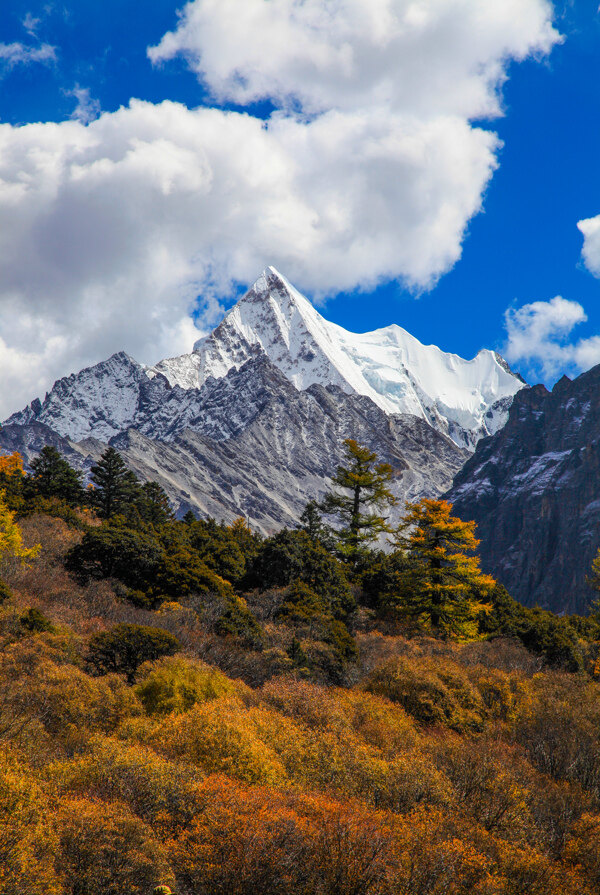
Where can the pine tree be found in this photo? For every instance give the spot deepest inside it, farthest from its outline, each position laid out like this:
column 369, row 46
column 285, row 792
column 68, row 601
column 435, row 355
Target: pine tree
column 154, row 504
column 116, row 487
column 366, row 485
column 311, row 522
column 445, row 583
column 52, row 476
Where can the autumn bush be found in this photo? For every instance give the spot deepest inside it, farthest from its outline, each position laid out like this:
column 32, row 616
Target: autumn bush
column 431, row 692
column 175, row 684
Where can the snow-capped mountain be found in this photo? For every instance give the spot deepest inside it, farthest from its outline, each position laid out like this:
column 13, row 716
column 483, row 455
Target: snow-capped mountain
column 464, row 399
column 254, row 420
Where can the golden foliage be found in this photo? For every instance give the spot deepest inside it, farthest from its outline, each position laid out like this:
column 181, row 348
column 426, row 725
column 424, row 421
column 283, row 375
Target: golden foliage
column 11, row 539
column 443, row 769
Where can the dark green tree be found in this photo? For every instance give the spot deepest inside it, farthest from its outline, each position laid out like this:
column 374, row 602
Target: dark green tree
column 116, row 489
column 218, row 548
column 364, row 490
column 51, row 476
column 134, row 556
column 153, row 504
column 385, row 582
column 311, row 522
column 125, row 647
column 292, row 556
column 308, row 614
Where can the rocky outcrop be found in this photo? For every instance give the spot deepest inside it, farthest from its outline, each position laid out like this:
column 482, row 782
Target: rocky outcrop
column 534, row 490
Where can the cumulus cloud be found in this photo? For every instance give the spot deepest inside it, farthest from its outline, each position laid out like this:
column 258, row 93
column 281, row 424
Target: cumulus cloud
column 16, row 53
column 419, row 57
column 369, row 169
column 590, row 227
column 539, row 337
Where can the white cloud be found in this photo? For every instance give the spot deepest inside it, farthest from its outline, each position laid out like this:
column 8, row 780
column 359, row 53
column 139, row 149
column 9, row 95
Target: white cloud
column 369, row 169
column 418, row 57
column 16, row 53
column 87, row 108
column 538, row 336
column 590, row 227
column 31, row 23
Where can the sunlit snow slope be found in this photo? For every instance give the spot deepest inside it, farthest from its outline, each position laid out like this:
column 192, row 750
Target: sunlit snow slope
column 464, row 399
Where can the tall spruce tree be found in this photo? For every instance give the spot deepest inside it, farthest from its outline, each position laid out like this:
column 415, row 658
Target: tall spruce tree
column 364, row 483
column 52, row 476
column 311, row 522
column 116, row 488
column 153, row 504
column 443, row 583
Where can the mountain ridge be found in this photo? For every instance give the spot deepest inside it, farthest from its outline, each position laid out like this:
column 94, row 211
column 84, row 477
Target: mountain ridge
column 253, row 422
column 260, row 447
column 459, row 398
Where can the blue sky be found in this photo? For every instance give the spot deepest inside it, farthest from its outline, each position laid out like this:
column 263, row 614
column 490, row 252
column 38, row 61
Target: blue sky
column 524, row 247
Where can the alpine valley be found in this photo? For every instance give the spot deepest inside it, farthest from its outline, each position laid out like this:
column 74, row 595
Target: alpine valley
column 253, row 421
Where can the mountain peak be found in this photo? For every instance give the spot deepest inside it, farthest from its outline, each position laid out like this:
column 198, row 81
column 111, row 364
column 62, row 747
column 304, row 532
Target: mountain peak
column 271, row 286
column 463, row 399
column 269, row 277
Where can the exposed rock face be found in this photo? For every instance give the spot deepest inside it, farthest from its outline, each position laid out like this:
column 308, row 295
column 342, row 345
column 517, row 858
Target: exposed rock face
column 99, row 401
column 252, row 444
column 29, row 440
column 534, row 490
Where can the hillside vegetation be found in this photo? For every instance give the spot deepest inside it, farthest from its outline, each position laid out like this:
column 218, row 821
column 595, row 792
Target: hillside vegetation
column 188, row 704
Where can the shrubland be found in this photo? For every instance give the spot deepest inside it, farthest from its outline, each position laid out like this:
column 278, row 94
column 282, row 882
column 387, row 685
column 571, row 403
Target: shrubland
column 187, row 704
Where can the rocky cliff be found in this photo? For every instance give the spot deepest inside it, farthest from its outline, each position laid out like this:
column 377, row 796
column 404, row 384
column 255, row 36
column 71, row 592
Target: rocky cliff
column 534, row 490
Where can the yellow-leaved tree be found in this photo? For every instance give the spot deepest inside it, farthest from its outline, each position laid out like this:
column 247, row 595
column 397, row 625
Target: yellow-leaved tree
column 12, row 476
column 445, row 583
column 11, row 539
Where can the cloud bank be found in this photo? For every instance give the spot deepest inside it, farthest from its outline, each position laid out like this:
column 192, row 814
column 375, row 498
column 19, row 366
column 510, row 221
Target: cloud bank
column 368, row 169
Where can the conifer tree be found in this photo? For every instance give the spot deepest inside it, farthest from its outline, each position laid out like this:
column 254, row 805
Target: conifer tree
column 365, row 483
column 444, row 583
column 311, row 522
column 52, row 476
column 154, row 504
column 116, row 487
